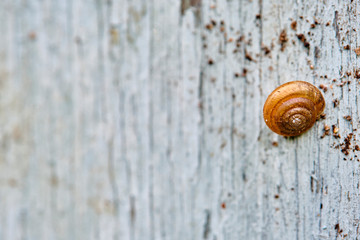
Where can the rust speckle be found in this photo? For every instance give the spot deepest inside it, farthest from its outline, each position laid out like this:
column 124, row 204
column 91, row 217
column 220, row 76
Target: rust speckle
column 283, row 40
column 249, row 57
column 357, row 73
column 244, row 72
column 209, row 26
column 326, row 131
column 357, row 51
column 266, row 50
column 323, row 87
column 348, row 118
column 302, row 38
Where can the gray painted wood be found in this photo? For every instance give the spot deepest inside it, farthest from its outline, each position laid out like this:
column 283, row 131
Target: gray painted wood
column 115, row 126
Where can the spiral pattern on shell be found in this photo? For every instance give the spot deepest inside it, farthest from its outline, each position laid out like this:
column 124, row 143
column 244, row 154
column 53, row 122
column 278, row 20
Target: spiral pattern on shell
column 292, row 108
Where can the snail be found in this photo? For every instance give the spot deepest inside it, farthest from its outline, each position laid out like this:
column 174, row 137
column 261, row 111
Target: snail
column 292, row 108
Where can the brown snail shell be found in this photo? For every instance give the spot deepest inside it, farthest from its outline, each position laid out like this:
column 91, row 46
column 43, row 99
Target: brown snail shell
column 292, row 108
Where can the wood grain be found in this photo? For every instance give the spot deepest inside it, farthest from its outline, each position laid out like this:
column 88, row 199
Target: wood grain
column 143, row 120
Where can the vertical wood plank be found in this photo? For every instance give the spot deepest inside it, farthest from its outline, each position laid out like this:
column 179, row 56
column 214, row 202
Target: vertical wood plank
column 143, row 120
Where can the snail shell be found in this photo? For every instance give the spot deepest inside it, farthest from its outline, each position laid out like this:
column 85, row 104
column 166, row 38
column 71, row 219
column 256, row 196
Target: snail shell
column 292, row 108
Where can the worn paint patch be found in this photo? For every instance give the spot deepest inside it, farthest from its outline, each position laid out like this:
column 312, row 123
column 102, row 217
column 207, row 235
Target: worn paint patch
column 186, row 4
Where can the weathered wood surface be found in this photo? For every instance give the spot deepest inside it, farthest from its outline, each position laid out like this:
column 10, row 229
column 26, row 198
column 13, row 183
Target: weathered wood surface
column 115, row 124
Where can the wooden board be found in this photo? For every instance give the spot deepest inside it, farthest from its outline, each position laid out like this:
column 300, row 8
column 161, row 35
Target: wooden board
column 142, row 119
